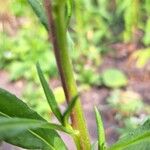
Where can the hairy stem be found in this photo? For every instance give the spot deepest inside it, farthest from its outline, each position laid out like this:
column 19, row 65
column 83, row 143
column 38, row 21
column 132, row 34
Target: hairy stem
column 57, row 32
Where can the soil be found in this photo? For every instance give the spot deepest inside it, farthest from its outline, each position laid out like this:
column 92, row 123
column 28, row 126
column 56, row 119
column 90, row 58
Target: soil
column 139, row 81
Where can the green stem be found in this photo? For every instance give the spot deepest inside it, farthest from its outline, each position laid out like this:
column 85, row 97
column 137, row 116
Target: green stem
column 57, row 32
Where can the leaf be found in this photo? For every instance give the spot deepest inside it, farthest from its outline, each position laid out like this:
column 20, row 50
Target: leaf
column 101, row 131
column 137, row 137
column 10, row 127
column 11, row 106
column 38, row 8
column 69, row 109
column 144, row 145
column 114, row 78
column 49, row 95
column 46, row 139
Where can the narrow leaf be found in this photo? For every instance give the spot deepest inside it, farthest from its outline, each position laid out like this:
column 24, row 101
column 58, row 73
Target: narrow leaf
column 11, row 106
column 69, row 109
column 10, row 127
column 49, row 95
column 134, row 138
column 57, row 127
column 45, row 139
column 37, row 6
column 100, row 130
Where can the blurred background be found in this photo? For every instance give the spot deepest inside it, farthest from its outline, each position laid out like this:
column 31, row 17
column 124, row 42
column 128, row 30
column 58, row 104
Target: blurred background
column 110, row 48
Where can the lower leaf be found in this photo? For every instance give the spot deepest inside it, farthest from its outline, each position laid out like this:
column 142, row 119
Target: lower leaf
column 10, row 127
column 134, row 139
column 11, row 106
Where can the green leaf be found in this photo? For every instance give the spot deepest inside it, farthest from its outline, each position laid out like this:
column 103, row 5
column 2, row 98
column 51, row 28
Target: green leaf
column 10, row 127
column 114, row 78
column 49, row 95
column 37, row 6
column 11, row 106
column 69, row 109
column 137, row 137
column 144, row 145
column 39, row 138
column 100, row 130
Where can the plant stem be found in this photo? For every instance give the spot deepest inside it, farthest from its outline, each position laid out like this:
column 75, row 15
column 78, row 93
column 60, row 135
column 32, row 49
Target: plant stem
column 57, row 32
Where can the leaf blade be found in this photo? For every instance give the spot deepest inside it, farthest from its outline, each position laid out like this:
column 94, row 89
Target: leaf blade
column 11, row 106
column 10, row 127
column 69, row 109
column 38, row 8
column 114, row 78
column 100, row 129
column 49, row 95
column 138, row 135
